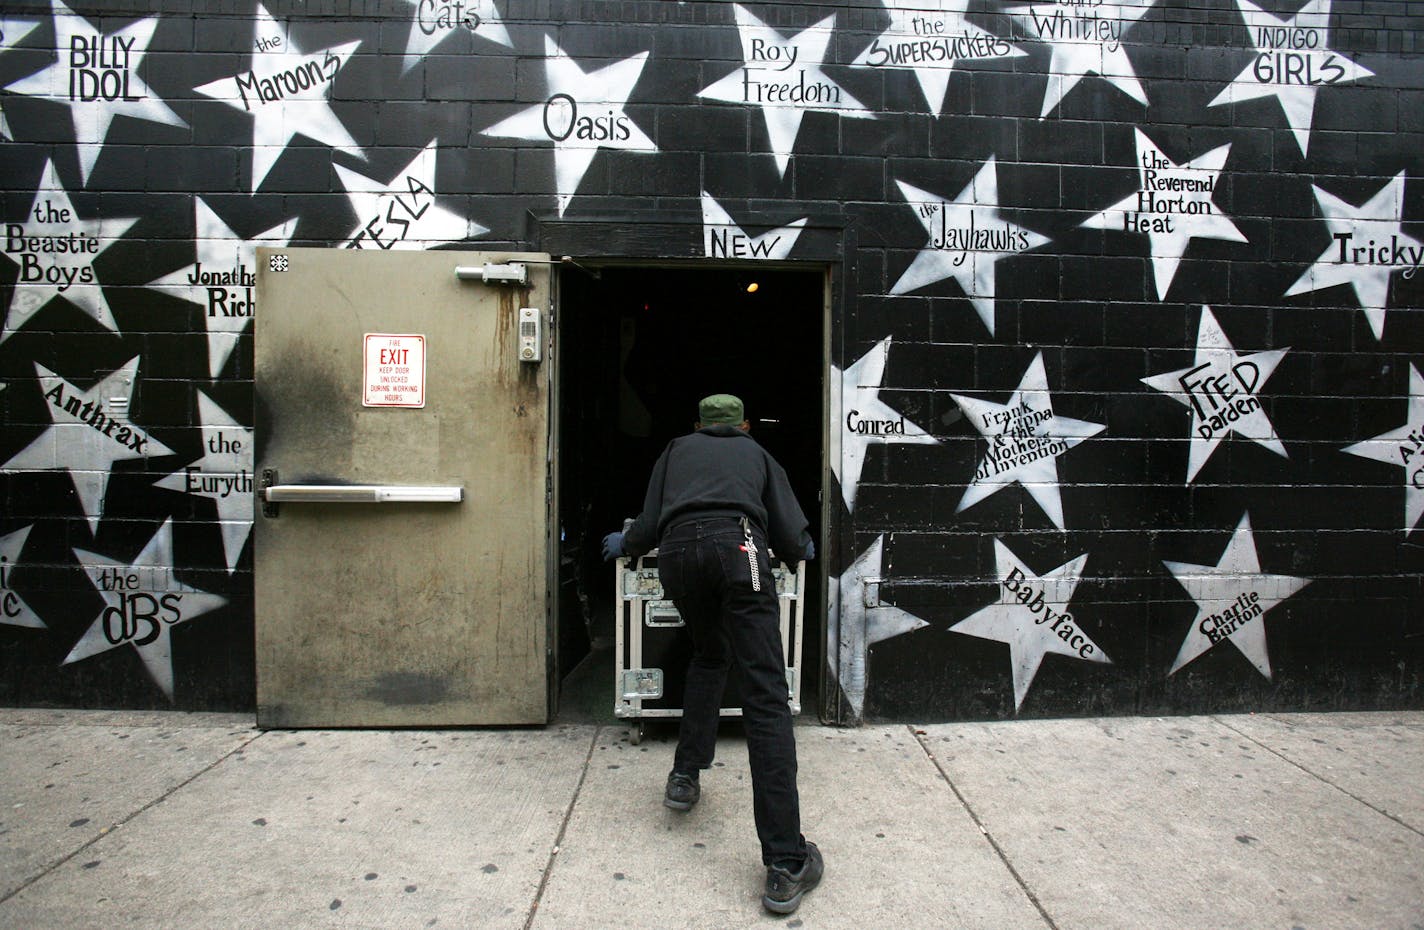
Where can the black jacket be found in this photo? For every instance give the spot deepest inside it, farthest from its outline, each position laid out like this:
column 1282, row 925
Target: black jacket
column 720, row 471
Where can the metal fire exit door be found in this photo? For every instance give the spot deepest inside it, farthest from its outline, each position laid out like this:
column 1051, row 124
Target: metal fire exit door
column 401, row 546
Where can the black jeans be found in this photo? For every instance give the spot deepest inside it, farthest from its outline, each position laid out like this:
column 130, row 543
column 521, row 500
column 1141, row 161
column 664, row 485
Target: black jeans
column 704, row 570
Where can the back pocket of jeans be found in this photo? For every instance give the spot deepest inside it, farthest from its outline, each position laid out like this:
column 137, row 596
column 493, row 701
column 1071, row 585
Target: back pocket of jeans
column 671, row 572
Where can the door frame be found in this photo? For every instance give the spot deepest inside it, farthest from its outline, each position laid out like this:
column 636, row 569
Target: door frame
column 832, row 293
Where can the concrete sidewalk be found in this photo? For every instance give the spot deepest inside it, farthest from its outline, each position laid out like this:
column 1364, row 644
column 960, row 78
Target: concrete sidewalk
column 197, row 820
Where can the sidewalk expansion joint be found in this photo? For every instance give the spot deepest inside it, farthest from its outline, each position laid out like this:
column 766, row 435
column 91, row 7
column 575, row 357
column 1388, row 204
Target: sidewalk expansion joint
column 1321, row 778
column 918, row 736
column 109, row 831
column 563, row 828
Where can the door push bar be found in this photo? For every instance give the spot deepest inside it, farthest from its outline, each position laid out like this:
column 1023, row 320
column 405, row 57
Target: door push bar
column 273, row 493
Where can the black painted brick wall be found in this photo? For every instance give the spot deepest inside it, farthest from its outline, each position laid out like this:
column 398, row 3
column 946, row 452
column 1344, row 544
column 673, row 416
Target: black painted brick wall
column 1086, row 301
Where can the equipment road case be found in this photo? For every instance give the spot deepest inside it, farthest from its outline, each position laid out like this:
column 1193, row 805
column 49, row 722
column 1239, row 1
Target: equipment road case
column 653, row 649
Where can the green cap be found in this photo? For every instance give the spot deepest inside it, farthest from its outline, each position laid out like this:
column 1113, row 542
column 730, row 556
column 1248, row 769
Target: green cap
column 720, row 408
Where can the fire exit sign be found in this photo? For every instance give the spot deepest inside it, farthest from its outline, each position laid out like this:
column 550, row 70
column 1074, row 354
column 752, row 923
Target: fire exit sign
column 394, row 371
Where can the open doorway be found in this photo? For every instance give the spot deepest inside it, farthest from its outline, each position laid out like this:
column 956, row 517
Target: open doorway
column 638, row 347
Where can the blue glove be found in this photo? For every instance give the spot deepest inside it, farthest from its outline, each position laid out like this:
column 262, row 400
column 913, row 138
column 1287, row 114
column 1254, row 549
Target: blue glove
column 810, row 552
column 612, row 546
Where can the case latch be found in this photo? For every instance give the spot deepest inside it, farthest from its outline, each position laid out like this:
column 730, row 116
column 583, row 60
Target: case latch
column 645, row 683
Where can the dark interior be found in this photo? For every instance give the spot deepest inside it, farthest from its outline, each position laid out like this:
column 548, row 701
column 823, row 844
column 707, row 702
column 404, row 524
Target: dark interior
column 637, row 348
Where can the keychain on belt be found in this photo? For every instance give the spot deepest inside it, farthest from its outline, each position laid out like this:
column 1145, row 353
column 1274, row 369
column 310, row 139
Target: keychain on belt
column 750, row 549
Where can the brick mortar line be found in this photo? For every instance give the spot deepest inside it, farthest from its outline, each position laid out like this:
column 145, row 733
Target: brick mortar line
column 1318, row 777
column 998, row 850
column 563, row 828
column 109, row 831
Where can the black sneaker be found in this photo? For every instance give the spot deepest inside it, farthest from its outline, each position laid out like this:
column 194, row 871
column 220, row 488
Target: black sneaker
column 784, row 888
column 682, row 791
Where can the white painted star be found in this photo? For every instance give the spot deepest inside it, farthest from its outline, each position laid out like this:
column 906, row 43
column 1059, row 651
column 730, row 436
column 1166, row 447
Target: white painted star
column 14, row 30
column 91, row 431
column 224, row 473
column 583, row 112
column 13, row 610
column 1222, row 389
column 723, row 238
column 859, row 419
column 967, row 238
column 1172, row 206
column 1025, row 439
column 1293, row 71
column 930, row 39
column 1032, row 618
column 1232, row 599
column 1358, row 237
column 434, row 21
column 859, row 620
column 775, row 72
column 143, row 602
column 1087, row 38
column 45, row 272
column 287, row 91
column 1403, row 447
column 223, row 279
column 116, row 88
column 403, row 214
